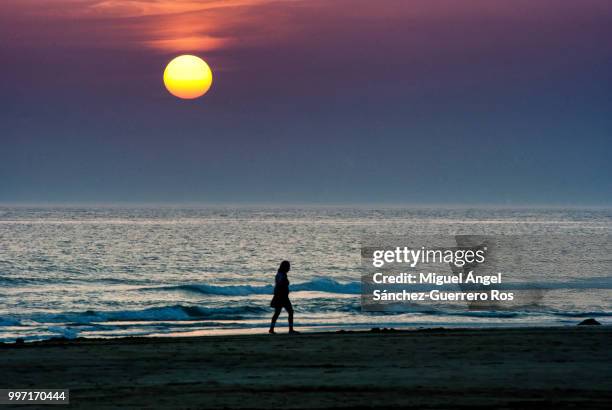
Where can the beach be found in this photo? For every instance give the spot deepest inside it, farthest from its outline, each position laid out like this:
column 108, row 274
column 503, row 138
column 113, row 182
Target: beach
column 428, row 368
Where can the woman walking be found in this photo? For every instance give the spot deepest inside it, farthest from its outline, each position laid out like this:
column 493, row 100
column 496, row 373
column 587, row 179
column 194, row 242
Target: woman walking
column 281, row 297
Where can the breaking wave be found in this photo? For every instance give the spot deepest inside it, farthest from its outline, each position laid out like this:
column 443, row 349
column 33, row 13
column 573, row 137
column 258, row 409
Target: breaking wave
column 315, row 285
column 162, row 313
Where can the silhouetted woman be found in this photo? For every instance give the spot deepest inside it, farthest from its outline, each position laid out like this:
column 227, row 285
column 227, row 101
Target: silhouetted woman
column 281, row 296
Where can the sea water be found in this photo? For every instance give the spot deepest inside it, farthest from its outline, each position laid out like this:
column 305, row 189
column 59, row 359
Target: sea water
column 142, row 271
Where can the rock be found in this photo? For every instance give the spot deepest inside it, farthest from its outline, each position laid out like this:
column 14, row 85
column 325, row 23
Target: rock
column 19, row 341
column 589, row 322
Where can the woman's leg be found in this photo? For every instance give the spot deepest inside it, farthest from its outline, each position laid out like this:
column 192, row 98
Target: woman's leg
column 289, row 309
column 277, row 312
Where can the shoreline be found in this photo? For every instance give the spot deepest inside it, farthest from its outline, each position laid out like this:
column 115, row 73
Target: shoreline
column 526, row 367
column 306, row 330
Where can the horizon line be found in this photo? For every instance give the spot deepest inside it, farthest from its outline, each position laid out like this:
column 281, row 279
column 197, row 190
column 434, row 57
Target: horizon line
column 246, row 204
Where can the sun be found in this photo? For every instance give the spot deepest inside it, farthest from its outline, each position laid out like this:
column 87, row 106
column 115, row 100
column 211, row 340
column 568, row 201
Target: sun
column 187, row 77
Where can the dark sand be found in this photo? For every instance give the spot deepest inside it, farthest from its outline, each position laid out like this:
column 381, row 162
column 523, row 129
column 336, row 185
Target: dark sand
column 514, row 368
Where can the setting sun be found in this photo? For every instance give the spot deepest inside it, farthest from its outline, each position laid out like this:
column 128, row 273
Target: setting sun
column 187, row 77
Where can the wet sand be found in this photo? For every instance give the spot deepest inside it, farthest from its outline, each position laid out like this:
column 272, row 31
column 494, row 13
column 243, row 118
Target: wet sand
column 510, row 368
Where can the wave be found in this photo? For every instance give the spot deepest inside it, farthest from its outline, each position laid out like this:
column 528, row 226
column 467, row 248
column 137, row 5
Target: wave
column 7, row 321
column 327, row 285
column 316, row 285
column 232, row 290
column 71, row 324
column 322, row 284
column 583, row 314
column 162, row 313
column 64, row 332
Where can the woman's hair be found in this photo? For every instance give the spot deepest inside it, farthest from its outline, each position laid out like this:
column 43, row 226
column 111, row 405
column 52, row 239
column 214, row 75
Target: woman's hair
column 284, row 267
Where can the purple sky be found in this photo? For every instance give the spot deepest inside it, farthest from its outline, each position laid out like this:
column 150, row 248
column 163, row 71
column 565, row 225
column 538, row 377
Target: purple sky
column 504, row 102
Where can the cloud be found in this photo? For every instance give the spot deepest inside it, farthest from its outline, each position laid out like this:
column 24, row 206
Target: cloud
column 332, row 29
column 167, row 26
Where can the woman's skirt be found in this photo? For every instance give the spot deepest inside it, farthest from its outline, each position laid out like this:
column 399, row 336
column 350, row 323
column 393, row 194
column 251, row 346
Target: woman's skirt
column 281, row 302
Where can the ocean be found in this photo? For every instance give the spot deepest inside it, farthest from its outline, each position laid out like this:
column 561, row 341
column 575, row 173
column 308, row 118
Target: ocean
column 170, row 271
